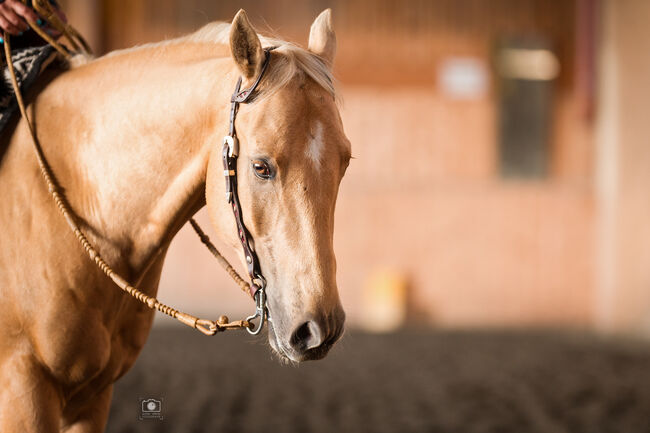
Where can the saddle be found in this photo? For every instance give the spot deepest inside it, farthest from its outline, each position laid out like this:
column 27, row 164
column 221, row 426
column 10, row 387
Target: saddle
column 29, row 64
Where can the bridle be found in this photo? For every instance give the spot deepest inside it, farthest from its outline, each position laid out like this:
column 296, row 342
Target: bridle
column 230, row 152
column 257, row 288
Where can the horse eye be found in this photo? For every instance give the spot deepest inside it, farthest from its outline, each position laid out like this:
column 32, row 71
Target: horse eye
column 262, row 169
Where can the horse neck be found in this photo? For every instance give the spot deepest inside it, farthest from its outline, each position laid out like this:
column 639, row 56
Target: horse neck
column 141, row 145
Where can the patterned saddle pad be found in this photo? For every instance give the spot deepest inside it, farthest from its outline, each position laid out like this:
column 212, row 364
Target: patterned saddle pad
column 28, row 63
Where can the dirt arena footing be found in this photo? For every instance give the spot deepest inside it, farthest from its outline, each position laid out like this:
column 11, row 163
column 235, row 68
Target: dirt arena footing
column 410, row 381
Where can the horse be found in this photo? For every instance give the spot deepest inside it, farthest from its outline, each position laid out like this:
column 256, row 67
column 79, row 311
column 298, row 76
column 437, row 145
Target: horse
column 134, row 138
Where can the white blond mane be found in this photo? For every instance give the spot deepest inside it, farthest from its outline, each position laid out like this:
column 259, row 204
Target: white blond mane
column 295, row 60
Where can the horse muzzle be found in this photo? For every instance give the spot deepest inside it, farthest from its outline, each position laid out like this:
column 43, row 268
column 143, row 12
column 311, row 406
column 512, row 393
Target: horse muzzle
column 311, row 338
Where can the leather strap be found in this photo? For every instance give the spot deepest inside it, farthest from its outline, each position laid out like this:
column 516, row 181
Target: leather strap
column 230, row 153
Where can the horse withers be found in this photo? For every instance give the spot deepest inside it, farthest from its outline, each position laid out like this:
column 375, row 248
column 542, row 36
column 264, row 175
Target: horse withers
column 134, row 138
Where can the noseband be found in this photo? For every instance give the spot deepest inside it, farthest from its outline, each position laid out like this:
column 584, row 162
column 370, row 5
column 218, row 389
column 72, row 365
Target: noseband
column 230, row 152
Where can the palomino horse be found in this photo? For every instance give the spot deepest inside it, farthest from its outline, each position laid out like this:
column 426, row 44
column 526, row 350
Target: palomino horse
column 135, row 139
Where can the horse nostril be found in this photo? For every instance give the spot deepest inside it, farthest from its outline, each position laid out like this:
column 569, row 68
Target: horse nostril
column 306, row 336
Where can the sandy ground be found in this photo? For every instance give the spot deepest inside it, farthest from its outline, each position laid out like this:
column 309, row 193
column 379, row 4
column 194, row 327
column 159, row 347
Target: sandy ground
column 412, row 381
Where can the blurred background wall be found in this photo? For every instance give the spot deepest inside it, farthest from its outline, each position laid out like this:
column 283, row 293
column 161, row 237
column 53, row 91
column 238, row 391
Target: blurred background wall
column 502, row 163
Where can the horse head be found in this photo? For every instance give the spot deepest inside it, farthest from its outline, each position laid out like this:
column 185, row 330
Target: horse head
column 293, row 154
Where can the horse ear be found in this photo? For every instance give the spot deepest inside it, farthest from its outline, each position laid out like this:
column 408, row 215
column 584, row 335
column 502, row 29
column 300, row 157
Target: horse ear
column 245, row 46
column 322, row 39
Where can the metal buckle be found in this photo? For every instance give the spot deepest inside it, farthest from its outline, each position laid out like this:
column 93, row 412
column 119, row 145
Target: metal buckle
column 233, row 147
column 260, row 308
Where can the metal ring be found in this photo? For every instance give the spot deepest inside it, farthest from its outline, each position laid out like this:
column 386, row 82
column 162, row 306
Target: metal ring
column 261, row 279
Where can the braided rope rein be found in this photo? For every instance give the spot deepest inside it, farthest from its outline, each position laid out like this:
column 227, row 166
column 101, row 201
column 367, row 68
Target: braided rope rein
column 206, row 326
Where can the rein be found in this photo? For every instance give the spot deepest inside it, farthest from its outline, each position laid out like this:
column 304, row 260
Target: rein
column 230, row 152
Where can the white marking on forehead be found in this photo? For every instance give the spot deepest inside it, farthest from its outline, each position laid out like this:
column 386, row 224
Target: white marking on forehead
column 315, row 147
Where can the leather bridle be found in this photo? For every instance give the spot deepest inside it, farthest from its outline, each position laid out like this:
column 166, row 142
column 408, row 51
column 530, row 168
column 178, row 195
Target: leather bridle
column 230, row 152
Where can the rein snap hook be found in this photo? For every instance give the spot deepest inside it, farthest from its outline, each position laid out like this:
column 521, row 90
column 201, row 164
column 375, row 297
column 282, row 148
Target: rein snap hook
column 260, row 311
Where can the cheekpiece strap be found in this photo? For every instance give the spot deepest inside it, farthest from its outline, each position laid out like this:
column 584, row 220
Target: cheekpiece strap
column 229, row 155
